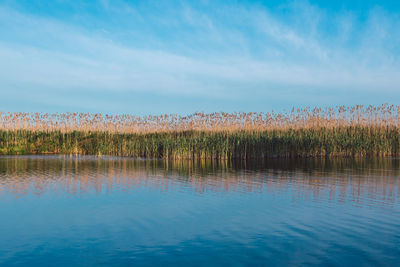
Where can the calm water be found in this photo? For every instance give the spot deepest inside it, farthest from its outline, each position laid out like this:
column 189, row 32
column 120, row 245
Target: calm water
column 63, row 211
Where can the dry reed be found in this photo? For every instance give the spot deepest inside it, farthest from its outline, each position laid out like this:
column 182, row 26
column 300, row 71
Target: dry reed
column 341, row 131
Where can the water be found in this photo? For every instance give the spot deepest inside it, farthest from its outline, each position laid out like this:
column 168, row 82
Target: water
column 69, row 211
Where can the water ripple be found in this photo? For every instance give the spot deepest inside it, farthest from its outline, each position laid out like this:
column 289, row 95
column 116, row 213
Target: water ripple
column 119, row 211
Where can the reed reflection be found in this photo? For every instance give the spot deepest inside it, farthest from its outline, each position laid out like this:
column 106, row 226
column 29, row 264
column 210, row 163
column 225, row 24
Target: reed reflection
column 354, row 180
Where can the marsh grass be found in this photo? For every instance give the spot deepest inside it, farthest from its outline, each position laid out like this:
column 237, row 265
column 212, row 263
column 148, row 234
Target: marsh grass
column 342, row 131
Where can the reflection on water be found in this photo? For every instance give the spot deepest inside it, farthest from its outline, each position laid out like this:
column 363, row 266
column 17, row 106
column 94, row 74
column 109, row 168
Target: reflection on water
column 340, row 178
column 154, row 212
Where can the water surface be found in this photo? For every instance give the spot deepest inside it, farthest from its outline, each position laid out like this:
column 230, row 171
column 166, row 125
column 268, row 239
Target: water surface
column 85, row 211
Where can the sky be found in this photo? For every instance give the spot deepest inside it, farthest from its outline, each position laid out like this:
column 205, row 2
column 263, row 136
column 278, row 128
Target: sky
column 156, row 57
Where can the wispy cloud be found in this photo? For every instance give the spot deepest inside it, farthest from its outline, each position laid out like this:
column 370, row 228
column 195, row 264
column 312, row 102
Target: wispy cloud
column 237, row 52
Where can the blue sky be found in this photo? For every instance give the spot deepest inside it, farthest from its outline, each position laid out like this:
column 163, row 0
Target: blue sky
column 152, row 57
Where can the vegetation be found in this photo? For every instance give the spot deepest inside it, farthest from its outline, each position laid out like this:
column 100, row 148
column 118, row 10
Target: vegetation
column 341, row 131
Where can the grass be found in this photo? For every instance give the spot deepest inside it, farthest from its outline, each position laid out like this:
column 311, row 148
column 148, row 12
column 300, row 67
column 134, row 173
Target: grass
column 334, row 132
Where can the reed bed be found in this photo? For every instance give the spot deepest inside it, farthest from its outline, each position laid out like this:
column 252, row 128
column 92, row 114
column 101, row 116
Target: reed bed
column 341, row 131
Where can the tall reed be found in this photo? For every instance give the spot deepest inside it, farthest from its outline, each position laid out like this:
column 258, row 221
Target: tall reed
column 340, row 131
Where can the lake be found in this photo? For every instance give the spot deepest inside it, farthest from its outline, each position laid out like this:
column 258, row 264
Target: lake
column 85, row 211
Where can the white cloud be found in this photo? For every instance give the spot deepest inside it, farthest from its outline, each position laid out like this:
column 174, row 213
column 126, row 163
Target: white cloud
column 46, row 53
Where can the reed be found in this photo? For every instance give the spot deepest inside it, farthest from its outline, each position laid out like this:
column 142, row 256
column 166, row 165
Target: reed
column 341, row 131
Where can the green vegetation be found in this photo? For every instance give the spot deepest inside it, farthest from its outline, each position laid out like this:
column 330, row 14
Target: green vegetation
column 348, row 132
column 316, row 142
